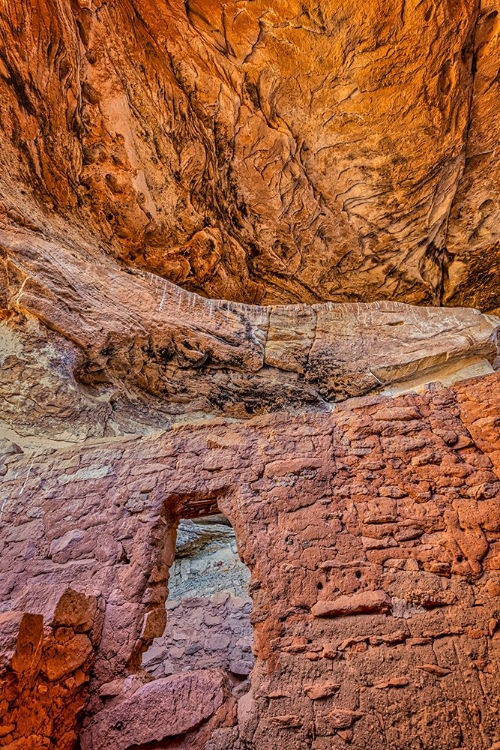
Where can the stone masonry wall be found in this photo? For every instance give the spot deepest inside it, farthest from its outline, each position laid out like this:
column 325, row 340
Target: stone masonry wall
column 204, row 633
column 373, row 539
column 208, row 609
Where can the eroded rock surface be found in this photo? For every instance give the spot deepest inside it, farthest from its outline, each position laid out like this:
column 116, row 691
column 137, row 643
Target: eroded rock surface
column 163, row 163
column 143, row 351
column 45, row 664
column 206, row 560
column 263, row 152
column 384, row 515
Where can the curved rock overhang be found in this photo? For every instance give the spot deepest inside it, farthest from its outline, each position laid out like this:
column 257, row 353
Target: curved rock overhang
column 262, row 152
column 213, row 356
column 163, row 165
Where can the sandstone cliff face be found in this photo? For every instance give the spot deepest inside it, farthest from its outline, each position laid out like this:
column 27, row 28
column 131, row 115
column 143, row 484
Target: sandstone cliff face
column 472, row 227
column 215, row 222
column 263, row 152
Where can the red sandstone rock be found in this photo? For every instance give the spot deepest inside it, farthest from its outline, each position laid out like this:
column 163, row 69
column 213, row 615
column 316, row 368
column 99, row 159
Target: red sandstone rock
column 355, row 604
column 297, row 530
column 158, row 710
column 45, row 666
column 341, row 719
column 393, row 682
column 271, row 153
column 319, row 690
column 265, row 153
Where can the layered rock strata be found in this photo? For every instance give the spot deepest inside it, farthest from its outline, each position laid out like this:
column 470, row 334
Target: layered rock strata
column 330, row 164
column 372, row 535
column 134, row 337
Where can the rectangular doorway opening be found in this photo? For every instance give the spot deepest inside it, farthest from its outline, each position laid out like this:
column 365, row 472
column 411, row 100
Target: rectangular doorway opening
column 208, row 606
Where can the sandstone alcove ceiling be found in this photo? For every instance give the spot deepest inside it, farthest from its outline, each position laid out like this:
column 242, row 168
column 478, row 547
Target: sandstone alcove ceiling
column 250, row 269
column 265, row 153
column 137, row 352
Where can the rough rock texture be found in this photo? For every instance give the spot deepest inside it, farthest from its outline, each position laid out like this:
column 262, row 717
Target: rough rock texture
column 207, row 561
column 373, row 538
column 262, row 152
column 204, row 633
column 45, row 663
column 473, row 235
column 164, row 708
column 133, row 338
column 208, row 608
column 329, row 163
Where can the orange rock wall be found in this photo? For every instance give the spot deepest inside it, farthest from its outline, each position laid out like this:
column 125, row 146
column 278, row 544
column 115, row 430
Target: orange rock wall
column 262, row 152
column 46, row 660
